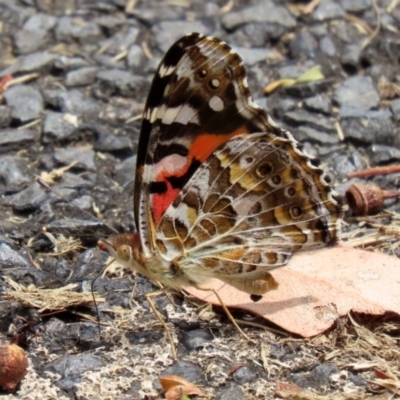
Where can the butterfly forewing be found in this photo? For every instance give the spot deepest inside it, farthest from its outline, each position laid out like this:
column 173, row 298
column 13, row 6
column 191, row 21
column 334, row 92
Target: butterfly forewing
column 199, row 99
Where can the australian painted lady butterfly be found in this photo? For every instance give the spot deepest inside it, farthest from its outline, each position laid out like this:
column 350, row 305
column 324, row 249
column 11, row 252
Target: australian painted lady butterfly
column 221, row 191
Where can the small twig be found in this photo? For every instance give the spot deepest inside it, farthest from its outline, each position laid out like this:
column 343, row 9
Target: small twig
column 364, row 173
column 377, row 28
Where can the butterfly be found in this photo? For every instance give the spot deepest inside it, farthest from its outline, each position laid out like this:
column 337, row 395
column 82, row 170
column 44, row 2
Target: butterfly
column 221, row 191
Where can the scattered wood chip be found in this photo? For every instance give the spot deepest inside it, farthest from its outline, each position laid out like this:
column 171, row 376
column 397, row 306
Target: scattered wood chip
column 55, row 174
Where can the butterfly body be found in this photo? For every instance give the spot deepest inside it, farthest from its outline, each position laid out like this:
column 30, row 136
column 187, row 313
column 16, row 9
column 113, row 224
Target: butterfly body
column 221, row 191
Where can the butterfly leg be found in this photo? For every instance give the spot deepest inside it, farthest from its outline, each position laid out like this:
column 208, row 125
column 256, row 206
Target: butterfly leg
column 160, row 318
column 227, row 312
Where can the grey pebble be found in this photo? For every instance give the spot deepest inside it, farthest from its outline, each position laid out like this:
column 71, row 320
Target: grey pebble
column 123, row 171
column 136, row 57
column 254, row 55
column 34, row 62
column 119, row 82
column 82, row 157
column 186, row 370
column 306, row 133
column 327, row 46
column 26, row 102
column 9, row 258
column 245, row 374
column 73, row 366
column 369, row 130
column 328, row 10
column 382, row 154
column 265, row 11
column 110, row 143
column 301, row 117
column 232, row 392
column 303, row 45
column 351, row 55
column 16, row 139
column 357, row 92
column 81, row 77
column 356, row 5
column 320, row 103
column 58, row 126
column 14, row 174
column 27, row 41
column 196, row 339
column 69, row 29
column 5, row 116
column 31, row 198
column 167, row 32
column 40, row 21
column 395, row 107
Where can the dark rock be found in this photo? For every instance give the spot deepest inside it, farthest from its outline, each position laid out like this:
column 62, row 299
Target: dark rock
column 79, row 227
column 369, row 130
column 304, row 133
column 66, row 63
column 357, row 92
column 327, row 46
column 121, row 41
column 233, row 392
column 34, row 62
column 145, row 337
column 111, row 143
column 303, row 45
column 301, row 117
column 81, row 77
column 82, row 158
column 9, row 258
column 381, row 154
column 245, row 374
column 280, row 106
column 319, row 103
column 28, row 199
column 73, row 366
column 356, row 5
column 5, row 116
column 328, row 10
column 69, row 29
column 58, row 126
column 357, row 380
column 118, row 82
column 266, row 11
column 307, row 89
column 319, row 376
column 26, row 102
column 343, row 166
column 73, row 102
column 14, row 174
column 196, row 339
column 123, row 171
column 350, row 56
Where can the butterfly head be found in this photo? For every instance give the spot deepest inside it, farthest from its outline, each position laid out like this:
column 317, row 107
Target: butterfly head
column 124, row 248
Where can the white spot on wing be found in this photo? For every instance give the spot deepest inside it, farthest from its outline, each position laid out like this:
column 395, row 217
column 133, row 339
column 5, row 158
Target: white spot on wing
column 182, row 114
column 216, row 103
column 165, row 71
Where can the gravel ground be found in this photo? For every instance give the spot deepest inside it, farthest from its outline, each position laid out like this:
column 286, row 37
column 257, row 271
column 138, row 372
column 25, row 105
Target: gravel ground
column 85, row 69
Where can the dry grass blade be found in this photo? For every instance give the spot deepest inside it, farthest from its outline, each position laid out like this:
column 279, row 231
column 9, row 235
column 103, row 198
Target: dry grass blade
column 63, row 245
column 59, row 299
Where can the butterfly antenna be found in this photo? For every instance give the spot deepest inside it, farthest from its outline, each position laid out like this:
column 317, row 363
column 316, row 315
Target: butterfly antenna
column 41, row 182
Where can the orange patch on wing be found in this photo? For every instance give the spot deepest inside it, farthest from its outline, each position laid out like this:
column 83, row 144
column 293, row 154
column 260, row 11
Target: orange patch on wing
column 204, row 145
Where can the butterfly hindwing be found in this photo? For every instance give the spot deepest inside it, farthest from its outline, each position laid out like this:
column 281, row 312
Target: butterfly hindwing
column 199, row 99
column 247, row 209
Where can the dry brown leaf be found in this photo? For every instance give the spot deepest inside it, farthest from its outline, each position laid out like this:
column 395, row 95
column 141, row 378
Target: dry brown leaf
column 320, row 286
column 175, row 386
